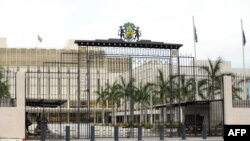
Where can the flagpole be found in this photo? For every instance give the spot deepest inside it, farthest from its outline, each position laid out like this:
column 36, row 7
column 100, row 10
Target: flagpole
column 195, row 40
column 243, row 55
column 243, row 44
column 39, row 39
column 36, row 49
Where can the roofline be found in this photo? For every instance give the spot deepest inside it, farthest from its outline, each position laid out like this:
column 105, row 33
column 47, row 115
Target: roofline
column 122, row 43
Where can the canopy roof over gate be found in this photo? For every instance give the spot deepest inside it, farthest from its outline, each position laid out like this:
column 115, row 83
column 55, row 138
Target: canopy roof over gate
column 122, row 43
column 53, row 103
column 188, row 103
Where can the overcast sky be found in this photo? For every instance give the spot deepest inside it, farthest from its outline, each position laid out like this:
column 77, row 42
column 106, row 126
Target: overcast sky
column 217, row 23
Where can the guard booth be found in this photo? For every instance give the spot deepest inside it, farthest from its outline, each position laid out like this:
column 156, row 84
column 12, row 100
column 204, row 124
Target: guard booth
column 42, row 106
column 195, row 114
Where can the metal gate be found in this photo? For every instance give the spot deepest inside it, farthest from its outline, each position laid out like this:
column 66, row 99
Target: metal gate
column 109, row 83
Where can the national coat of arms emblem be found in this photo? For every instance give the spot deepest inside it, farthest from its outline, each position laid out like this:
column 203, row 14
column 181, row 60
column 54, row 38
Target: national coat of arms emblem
column 129, row 32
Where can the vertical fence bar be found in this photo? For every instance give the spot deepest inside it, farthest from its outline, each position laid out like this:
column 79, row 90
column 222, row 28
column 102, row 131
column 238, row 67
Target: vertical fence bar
column 183, row 132
column 88, row 88
column 116, row 134
column 92, row 133
column 67, row 133
column 161, row 132
column 78, row 94
column 139, row 133
column 179, row 94
column 131, row 101
column 171, row 93
column 204, row 131
column 43, row 131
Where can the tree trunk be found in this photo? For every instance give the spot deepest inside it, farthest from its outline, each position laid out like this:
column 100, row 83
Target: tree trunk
column 141, row 115
column 145, row 114
column 161, row 115
column 103, row 119
column 131, row 120
column 125, row 112
column 113, row 113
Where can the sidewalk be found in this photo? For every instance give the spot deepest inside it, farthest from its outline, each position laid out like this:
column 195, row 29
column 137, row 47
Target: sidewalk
column 148, row 139
column 158, row 139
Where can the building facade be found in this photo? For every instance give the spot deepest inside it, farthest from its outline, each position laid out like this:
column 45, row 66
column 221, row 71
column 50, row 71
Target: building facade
column 74, row 76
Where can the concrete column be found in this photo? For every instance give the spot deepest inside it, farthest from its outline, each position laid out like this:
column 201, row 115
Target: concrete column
column 20, row 90
column 233, row 115
column 227, row 98
column 12, row 119
column 20, row 113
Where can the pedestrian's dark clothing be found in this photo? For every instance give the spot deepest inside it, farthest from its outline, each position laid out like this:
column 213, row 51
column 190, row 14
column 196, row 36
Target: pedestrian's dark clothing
column 27, row 123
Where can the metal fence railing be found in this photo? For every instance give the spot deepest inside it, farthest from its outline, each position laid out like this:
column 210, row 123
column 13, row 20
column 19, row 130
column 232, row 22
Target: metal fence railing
column 8, row 88
column 75, row 88
column 151, row 87
column 240, row 91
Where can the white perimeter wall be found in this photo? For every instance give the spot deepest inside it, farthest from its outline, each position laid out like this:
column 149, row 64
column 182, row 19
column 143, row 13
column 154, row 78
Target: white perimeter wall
column 233, row 116
column 12, row 119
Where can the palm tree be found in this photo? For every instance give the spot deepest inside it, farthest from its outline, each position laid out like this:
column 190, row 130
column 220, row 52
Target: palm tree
column 202, row 88
column 162, row 87
column 126, row 90
column 162, row 90
column 236, row 89
column 142, row 96
column 102, row 98
column 4, row 88
column 113, row 92
column 186, row 88
column 214, row 78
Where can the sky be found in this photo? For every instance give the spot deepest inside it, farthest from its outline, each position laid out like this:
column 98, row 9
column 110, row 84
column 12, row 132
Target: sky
column 217, row 22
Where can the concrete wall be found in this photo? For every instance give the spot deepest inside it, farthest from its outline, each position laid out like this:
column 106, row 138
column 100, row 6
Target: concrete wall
column 12, row 119
column 3, row 42
column 233, row 116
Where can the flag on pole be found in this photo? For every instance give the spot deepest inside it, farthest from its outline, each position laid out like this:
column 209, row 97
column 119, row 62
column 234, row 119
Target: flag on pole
column 195, row 38
column 195, row 35
column 243, row 38
column 39, row 38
